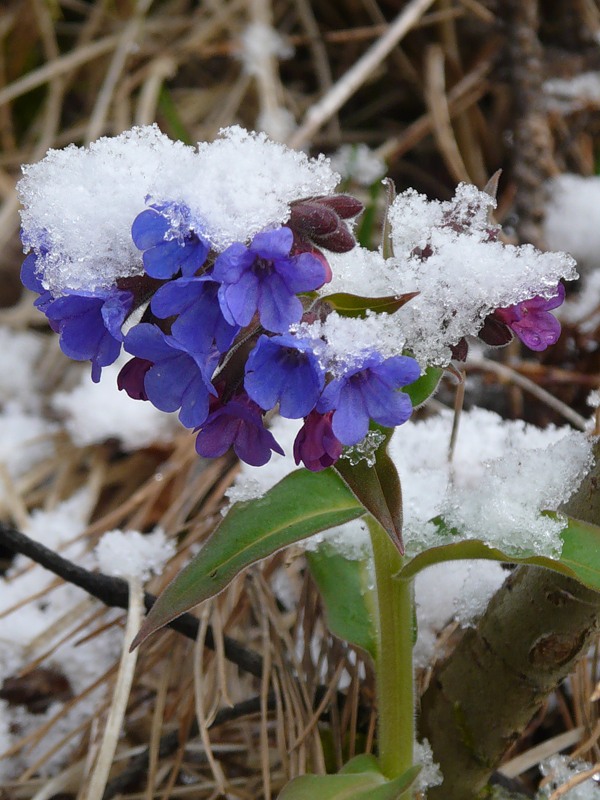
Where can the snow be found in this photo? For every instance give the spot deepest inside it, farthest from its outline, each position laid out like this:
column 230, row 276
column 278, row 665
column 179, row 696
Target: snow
column 38, row 624
column 430, row 774
column 242, row 183
column 131, row 554
column 561, row 769
column 95, row 412
column 503, row 475
column 446, row 252
column 358, row 163
column 259, row 44
column 572, row 220
column 20, row 354
column 25, row 440
column 341, row 343
column 583, row 308
column 452, row 591
column 79, row 203
column 567, row 95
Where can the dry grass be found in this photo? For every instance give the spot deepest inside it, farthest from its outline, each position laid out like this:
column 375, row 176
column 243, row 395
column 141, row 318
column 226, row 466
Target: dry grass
column 434, row 86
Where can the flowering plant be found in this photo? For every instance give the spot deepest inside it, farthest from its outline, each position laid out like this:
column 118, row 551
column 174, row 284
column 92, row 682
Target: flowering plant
column 231, row 276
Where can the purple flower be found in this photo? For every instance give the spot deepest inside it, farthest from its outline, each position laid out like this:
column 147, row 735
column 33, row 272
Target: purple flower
column 89, row 324
column 369, row 391
column 264, row 277
column 200, row 323
column 237, row 424
column 168, row 247
column 316, row 445
column 532, row 321
column 284, row 370
column 177, row 378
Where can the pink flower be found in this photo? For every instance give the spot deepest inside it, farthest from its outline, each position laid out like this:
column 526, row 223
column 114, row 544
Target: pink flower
column 532, row 321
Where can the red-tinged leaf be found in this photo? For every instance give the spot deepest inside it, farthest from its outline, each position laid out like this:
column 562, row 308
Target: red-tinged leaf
column 378, row 488
column 351, row 305
column 302, row 504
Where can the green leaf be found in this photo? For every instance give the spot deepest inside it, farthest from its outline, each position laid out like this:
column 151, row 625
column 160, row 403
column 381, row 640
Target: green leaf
column 378, row 488
column 302, row 504
column 344, row 587
column 421, row 390
column 581, row 551
column 580, row 557
column 351, row 305
column 359, row 779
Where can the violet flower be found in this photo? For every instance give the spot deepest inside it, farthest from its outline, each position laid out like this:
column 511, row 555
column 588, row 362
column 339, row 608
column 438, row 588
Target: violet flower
column 237, row 424
column 89, row 324
column 369, row 391
column 532, row 321
column 177, row 378
column 168, row 249
column 265, row 277
column 284, row 370
column 316, row 445
column 200, row 323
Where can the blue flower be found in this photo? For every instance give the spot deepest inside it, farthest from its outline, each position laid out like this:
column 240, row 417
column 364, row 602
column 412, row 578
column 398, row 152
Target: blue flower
column 200, row 323
column 264, row 277
column 168, row 246
column 369, row 391
column 89, row 324
column 284, row 370
column 31, row 280
column 177, row 379
column 237, row 424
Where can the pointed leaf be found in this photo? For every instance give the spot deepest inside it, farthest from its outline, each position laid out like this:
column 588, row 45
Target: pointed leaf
column 349, row 604
column 302, row 504
column 580, row 557
column 351, row 305
column 359, row 779
column 377, row 486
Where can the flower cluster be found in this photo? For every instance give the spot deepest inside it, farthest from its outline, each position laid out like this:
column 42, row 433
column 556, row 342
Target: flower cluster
column 224, row 330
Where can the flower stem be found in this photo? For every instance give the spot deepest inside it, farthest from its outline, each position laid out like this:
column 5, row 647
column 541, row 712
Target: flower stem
column 394, row 662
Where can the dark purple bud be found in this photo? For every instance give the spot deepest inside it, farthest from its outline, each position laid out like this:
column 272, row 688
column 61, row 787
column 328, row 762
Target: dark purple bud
column 344, row 205
column 131, row 378
column 313, row 219
column 316, row 445
column 494, row 332
column 460, row 350
column 340, row 241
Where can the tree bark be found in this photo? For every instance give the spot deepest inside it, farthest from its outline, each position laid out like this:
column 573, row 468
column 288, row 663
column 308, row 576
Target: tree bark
column 482, row 697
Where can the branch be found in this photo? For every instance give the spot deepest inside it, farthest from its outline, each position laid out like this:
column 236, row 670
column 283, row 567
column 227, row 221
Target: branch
column 114, row 592
column 482, row 697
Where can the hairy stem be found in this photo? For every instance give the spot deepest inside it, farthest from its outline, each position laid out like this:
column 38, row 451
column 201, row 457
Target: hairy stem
column 395, row 692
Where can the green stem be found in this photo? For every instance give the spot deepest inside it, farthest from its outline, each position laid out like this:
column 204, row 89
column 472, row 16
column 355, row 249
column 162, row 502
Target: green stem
column 394, row 664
